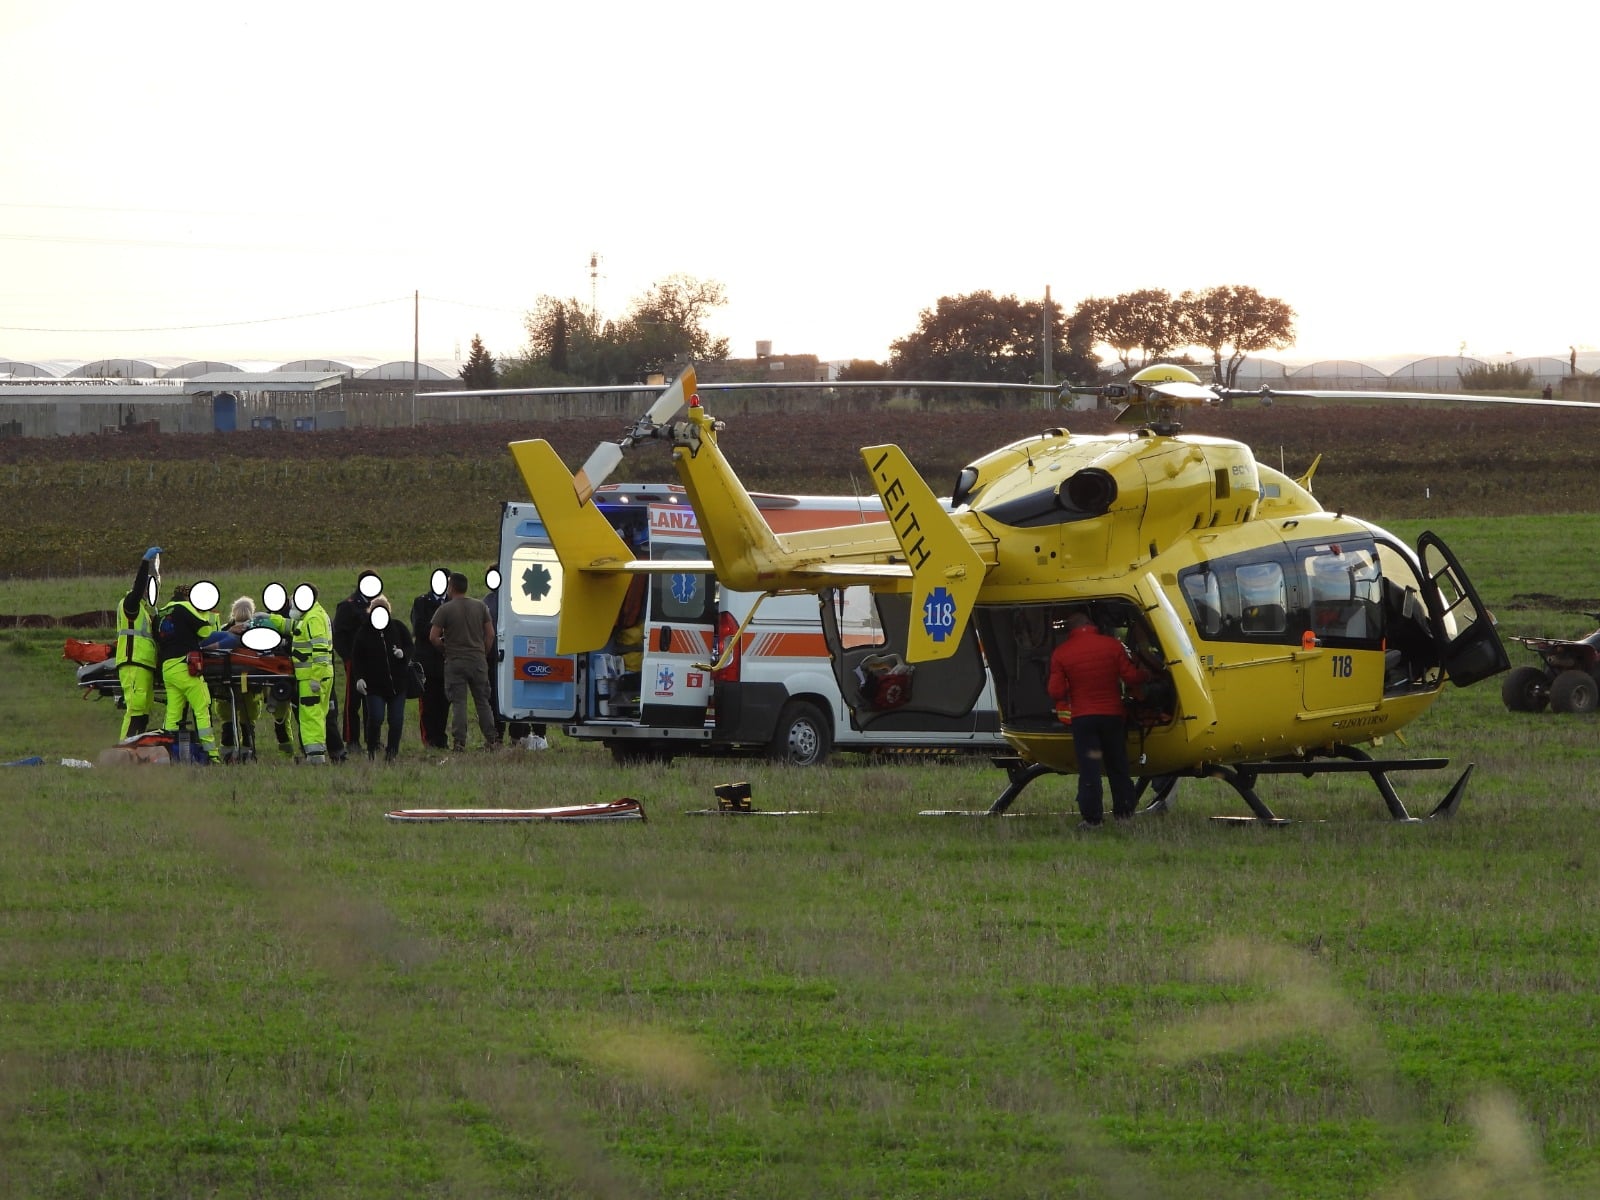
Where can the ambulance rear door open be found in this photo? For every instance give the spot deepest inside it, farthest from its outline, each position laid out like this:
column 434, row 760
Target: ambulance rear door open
column 535, row 683
column 680, row 624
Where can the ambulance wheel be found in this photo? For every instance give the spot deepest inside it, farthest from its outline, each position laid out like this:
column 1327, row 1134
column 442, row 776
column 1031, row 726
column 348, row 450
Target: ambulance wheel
column 803, row 738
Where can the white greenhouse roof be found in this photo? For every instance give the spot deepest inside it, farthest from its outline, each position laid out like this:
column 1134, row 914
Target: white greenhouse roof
column 1337, row 368
column 402, row 369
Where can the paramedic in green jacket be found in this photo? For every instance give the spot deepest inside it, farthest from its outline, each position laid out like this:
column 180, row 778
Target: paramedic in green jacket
column 136, row 644
column 183, row 628
column 311, row 648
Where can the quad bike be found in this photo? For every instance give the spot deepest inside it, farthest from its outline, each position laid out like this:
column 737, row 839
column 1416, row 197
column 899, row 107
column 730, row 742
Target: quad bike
column 1569, row 681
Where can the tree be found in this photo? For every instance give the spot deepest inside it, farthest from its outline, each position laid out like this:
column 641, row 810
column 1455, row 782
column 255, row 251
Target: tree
column 979, row 337
column 558, row 340
column 1081, row 364
column 667, row 324
column 1496, row 377
column 480, row 371
column 1237, row 319
column 570, row 343
column 1145, row 321
column 567, row 343
column 863, row 370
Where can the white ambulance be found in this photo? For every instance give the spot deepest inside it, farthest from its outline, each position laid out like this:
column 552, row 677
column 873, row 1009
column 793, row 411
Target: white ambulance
column 652, row 692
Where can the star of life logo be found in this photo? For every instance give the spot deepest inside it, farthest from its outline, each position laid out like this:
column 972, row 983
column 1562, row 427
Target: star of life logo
column 666, row 682
column 939, row 614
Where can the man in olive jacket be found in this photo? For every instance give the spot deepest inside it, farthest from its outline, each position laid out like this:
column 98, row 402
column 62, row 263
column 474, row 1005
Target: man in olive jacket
column 463, row 632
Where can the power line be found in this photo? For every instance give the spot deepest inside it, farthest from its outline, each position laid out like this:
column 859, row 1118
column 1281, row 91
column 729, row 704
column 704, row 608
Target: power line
column 501, row 308
column 217, row 325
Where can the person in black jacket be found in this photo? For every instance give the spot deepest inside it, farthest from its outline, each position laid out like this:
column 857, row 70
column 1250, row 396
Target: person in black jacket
column 433, row 708
column 349, row 615
column 380, row 665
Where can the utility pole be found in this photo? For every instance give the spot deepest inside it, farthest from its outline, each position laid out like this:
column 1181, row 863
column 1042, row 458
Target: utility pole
column 416, row 343
column 594, row 286
column 1045, row 339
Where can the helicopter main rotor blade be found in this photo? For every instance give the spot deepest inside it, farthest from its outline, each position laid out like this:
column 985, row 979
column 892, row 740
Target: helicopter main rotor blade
column 1272, row 393
column 770, row 385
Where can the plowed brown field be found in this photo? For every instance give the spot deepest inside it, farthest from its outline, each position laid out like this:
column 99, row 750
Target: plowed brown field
column 433, row 492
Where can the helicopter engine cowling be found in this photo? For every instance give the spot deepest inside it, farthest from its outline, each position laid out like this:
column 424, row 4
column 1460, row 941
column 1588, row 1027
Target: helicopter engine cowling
column 1091, row 491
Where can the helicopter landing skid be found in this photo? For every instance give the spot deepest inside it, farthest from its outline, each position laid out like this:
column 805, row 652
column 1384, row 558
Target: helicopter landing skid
column 1020, row 774
column 1242, row 778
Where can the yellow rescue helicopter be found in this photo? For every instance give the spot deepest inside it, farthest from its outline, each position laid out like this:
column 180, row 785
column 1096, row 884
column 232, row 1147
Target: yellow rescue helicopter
column 1281, row 638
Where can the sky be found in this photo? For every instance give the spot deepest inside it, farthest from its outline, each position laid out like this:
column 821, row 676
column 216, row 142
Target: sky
column 318, row 180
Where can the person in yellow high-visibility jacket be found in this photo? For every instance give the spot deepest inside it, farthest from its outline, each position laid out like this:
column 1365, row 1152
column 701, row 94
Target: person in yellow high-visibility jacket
column 136, row 644
column 311, row 647
column 183, row 628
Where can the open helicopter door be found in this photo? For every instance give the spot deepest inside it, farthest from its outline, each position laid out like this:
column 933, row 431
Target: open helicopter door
column 1469, row 645
column 1196, row 709
column 867, row 634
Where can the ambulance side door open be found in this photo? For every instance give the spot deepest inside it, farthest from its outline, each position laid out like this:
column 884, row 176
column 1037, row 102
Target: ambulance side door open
column 535, row 683
column 680, row 625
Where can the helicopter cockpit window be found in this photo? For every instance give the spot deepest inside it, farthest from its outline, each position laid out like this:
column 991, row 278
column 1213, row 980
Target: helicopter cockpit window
column 1205, row 601
column 1345, row 586
column 1232, row 600
column 1263, row 598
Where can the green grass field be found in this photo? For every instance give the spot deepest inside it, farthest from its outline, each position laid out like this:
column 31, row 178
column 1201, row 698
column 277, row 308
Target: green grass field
column 245, row 982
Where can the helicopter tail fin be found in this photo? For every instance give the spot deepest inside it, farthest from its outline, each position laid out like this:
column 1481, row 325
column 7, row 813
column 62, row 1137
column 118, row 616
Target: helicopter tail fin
column 594, row 558
column 946, row 572
column 1305, row 480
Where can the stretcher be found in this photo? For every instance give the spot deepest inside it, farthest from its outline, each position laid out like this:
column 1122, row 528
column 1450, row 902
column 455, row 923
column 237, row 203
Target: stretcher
column 229, row 672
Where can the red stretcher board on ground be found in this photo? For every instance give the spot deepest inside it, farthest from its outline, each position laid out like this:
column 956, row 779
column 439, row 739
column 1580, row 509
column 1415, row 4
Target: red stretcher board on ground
column 625, row 808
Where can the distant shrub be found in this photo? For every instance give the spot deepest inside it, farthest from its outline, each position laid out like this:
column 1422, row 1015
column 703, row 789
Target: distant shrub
column 1496, row 377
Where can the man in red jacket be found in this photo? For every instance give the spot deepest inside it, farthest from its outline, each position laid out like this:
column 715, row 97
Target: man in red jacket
column 1087, row 672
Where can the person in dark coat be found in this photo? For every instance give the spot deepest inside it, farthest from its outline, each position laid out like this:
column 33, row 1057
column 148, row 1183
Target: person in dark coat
column 349, row 615
column 380, row 663
column 433, row 708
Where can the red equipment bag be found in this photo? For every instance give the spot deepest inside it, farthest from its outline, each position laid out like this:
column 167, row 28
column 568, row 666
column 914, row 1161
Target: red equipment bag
column 86, row 652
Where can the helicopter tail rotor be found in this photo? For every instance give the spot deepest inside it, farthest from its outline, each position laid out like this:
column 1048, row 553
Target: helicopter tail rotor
column 606, row 457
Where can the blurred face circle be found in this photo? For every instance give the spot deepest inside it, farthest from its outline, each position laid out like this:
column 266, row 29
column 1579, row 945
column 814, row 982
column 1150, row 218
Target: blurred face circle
column 380, row 617
column 261, row 639
column 369, row 585
column 439, row 580
column 492, row 578
column 204, row 595
column 275, row 597
column 304, row 597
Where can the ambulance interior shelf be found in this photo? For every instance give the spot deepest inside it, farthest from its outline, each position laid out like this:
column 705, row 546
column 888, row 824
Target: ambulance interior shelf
column 614, row 669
